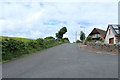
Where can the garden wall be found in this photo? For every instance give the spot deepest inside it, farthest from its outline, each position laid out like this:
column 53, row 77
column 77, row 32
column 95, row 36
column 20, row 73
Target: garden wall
column 104, row 47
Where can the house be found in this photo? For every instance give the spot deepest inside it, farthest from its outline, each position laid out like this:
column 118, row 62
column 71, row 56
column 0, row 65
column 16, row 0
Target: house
column 113, row 34
column 97, row 34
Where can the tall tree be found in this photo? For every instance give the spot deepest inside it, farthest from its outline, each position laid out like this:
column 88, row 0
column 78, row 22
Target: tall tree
column 82, row 36
column 60, row 33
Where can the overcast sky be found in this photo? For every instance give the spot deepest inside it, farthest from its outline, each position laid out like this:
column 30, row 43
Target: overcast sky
column 42, row 19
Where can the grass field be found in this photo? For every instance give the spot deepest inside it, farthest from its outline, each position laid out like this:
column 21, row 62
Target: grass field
column 18, row 38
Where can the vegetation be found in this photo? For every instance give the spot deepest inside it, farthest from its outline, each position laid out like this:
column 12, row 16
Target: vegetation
column 100, row 39
column 82, row 36
column 89, row 38
column 49, row 37
column 78, row 41
column 13, row 47
column 66, row 40
column 23, row 39
column 60, row 33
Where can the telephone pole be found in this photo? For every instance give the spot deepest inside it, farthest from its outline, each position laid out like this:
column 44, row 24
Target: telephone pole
column 76, row 36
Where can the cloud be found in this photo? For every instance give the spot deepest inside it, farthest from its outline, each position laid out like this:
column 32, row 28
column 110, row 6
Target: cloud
column 34, row 16
column 41, row 4
column 54, row 22
column 84, row 23
column 2, row 21
column 42, row 19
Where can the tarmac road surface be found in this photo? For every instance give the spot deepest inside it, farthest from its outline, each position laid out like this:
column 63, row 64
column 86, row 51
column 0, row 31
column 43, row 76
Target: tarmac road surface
column 63, row 61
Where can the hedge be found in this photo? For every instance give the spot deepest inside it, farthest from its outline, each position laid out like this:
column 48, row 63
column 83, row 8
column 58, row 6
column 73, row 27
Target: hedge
column 13, row 48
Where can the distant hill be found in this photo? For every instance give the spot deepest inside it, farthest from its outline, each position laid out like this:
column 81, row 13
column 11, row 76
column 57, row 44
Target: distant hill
column 18, row 38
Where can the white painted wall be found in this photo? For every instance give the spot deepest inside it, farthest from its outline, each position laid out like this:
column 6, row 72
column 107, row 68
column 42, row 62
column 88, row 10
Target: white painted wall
column 111, row 35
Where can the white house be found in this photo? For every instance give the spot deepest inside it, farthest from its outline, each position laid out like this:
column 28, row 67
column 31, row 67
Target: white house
column 112, row 34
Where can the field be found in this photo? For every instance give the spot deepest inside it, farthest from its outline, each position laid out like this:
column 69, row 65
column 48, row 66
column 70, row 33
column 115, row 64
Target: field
column 18, row 38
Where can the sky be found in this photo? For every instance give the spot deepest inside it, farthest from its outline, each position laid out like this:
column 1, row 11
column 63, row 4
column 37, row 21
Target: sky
column 41, row 19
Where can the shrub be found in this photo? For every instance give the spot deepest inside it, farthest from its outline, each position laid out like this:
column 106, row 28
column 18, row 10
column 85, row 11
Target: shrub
column 50, row 37
column 66, row 40
column 89, row 38
column 13, row 48
column 78, row 41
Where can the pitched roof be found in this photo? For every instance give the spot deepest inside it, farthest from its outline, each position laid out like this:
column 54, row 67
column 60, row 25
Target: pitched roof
column 100, row 31
column 116, row 29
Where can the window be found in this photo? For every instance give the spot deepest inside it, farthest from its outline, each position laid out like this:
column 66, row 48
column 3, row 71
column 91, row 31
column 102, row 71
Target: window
column 111, row 41
column 96, row 35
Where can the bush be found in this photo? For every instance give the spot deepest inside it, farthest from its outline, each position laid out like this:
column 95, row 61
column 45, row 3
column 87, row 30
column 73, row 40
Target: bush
column 78, row 41
column 89, row 38
column 13, row 48
column 50, row 37
column 66, row 40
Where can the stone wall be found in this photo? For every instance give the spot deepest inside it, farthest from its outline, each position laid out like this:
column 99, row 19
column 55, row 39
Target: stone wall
column 104, row 47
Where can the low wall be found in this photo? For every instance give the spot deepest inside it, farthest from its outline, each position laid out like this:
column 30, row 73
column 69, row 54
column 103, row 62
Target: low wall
column 104, row 47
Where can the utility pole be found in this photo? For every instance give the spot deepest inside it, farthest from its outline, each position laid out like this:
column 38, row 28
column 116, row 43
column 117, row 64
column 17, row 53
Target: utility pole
column 76, row 36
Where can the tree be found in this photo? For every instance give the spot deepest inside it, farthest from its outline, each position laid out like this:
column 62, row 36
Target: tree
column 59, row 36
column 60, row 33
column 63, row 30
column 82, row 36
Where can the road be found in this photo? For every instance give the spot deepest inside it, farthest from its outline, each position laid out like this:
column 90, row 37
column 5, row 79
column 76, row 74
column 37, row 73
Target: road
column 63, row 61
